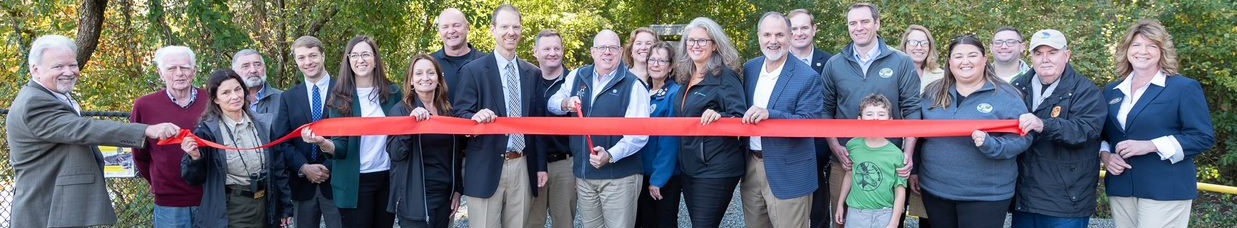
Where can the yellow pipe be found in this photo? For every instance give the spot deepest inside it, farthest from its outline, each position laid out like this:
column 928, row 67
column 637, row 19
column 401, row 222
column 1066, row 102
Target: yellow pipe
column 1204, row 186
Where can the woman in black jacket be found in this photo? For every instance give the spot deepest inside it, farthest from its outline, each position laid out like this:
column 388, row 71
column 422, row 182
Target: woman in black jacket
column 246, row 188
column 711, row 166
column 425, row 168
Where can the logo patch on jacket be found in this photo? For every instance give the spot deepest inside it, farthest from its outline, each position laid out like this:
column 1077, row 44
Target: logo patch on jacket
column 984, row 108
column 886, row 72
column 1114, row 101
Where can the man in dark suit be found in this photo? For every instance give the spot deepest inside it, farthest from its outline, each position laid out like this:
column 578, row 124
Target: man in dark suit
column 300, row 105
column 779, row 195
column 54, row 150
column 500, row 183
column 803, row 48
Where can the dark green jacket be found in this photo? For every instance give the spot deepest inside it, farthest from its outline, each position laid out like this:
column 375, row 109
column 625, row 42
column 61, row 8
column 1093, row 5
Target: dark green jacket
column 346, row 172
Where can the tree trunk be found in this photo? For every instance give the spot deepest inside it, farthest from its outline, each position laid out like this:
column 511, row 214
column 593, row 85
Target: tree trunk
column 90, row 25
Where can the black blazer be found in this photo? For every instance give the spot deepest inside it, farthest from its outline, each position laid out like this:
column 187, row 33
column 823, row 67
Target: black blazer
column 818, row 59
column 481, row 88
column 293, row 112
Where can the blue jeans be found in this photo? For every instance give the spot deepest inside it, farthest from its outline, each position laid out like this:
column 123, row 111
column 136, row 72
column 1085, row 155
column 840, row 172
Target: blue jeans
column 174, row 217
column 1026, row 219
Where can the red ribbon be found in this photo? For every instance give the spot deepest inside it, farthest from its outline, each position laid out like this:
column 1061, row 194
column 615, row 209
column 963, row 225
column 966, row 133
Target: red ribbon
column 675, row 126
column 587, row 138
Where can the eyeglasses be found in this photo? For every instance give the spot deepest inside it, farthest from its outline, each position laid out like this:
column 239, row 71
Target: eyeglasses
column 658, row 62
column 1009, row 42
column 917, row 43
column 362, row 55
column 607, row 48
column 699, row 42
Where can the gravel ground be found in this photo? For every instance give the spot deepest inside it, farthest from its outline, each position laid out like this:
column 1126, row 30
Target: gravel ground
column 734, row 217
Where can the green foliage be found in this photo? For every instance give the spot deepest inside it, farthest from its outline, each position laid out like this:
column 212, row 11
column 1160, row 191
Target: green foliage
column 122, row 68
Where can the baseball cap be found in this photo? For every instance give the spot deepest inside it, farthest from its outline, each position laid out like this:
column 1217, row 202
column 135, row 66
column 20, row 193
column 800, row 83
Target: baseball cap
column 1050, row 37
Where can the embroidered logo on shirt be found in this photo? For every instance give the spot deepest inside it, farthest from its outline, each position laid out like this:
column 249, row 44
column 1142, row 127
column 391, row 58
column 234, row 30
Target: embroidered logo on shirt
column 1056, row 111
column 984, row 108
column 1115, row 101
column 886, row 73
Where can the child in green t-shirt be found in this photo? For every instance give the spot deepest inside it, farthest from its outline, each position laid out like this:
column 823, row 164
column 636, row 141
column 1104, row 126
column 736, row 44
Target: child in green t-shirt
column 876, row 193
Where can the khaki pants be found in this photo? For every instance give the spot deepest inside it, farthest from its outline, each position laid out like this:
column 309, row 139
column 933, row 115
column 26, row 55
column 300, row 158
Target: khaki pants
column 836, row 173
column 1147, row 213
column 763, row 210
column 508, row 207
column 558, row 197
column 610, row 202
column 915, row 204
column 244, row 211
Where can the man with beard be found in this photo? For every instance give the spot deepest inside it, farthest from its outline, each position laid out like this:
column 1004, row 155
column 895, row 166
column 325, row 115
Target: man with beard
column 781, row 172
column 263, row 99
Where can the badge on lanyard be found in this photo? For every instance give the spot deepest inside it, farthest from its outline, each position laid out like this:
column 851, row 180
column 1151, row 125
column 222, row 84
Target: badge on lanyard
column 1056, row 111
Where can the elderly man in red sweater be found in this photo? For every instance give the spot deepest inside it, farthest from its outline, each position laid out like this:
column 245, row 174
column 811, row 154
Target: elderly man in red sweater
column 181, row 104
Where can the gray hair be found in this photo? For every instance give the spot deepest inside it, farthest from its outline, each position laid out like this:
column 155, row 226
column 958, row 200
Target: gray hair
column 43, row 43
column 163, row 53
column 773, row 15
column 724, row 56
column 246, row 52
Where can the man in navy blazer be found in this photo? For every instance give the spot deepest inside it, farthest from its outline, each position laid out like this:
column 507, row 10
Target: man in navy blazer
column 310, row 173
column 779, row 194
column 501, row 178
column 803, row 48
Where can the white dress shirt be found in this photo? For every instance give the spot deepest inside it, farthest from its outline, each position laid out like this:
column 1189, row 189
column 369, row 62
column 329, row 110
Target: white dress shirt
column 322, row 85
column 1166, row 146
column 638, row 107
column 760, row 97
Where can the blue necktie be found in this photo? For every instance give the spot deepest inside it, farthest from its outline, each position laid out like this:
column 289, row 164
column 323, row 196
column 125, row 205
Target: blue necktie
column 317, row 114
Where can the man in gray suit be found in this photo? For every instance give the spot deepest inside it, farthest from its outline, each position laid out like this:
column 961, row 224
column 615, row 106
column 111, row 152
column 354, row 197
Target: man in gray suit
column 263, row 99
column 54, row 150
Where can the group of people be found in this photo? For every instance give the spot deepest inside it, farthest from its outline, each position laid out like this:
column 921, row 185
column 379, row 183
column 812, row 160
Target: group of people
column 1046, row 178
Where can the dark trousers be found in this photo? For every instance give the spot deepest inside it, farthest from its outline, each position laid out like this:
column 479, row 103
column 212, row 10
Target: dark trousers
column 371, row 207
column 952, row 213
column 660, row 213
column 438, row 201
column 820, row 216
column 708, row 198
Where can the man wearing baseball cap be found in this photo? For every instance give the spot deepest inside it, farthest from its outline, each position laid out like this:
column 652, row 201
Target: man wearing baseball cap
column 1056, row 176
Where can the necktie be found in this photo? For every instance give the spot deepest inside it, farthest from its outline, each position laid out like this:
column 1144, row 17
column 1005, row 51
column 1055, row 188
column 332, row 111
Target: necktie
column 76, row 107
column 513, row 104
column 316, row 107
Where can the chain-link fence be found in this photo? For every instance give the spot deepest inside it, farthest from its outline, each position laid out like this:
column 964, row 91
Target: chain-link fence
column 130, row 196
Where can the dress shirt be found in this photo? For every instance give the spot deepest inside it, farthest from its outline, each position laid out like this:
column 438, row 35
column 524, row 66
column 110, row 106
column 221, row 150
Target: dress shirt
column 1166, row 146
column 638, row 107
column 764, row 89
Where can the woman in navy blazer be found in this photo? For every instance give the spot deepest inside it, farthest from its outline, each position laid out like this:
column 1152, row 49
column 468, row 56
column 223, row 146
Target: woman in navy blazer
column 1157, row 122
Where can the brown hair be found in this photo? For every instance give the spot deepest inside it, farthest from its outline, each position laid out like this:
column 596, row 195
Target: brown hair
column 930, row 63
column 213, row 111
column 440, row 101
column 663, row 45
column 307, row 42
column 1154, row 31
column 631, row 42
column 341, row 96
column 938, row 91
column 876, row 100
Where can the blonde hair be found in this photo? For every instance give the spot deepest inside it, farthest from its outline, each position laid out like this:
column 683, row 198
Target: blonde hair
column 631, row 41
column 1154, row 31
column 930, row 63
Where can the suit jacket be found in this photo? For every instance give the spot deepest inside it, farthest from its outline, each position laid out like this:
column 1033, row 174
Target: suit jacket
column 481, row 88
column 790, row 163
column 1179, row 109
column 818, row 59
column 55, row 156
column 294, row 111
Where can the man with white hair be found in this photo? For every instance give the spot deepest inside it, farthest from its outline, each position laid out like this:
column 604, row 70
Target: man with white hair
column 608, row 187
column 181, row 104
column 263, row 99
column 54, row 150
